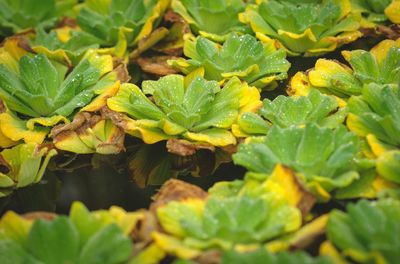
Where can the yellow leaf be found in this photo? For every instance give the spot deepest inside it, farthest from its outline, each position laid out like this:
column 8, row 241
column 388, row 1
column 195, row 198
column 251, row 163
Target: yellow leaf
column 174, row 246
column 381, row 50
column 101, row 100
column 327, row 249
column 15, row 227
column 16, row 129
column 392, row 11
column 320, row 76
column 46, row 121
column 214, row 136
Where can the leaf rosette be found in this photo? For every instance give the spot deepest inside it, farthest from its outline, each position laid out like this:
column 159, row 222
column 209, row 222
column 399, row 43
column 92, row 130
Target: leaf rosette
column 322, row 158
column 309, row 27
column 375, row 115
column 118, row 23
column 23, row 165
column 375, row 12
column 379, row 65
column 18, row 16
column 188, row 108
column 371, row 230
column 224, row 220
column 242, row 56
column 78, row 238
column 64, row 44
column 285, row 111
column 263, row 256
column 213, row 19
column 39, row 93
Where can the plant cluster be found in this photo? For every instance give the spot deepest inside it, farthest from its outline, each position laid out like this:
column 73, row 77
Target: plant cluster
column 205, row 76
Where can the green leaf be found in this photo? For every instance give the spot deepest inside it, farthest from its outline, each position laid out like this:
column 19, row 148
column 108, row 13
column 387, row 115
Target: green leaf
column 371, row 230
column 86, row 223
column 12, row 253
column 106, row 20
column 16, row 16
column 9, row 83
column 84, row 237
column 131, row 100
column 26, row 164
column 108, row 245
column 380, row 65
column 262, row 256
column 286, row 111
column 368, row 69
column 237, row 219
column 376, row 112
column 224, row 109
column 312, row 27
column 388, row 165
column 242, row 56
column 44, row 89
column 322, row 155
column 217, row 17
column 54, row 242
column 190, row 108
column 371, row 10
column 78, row 43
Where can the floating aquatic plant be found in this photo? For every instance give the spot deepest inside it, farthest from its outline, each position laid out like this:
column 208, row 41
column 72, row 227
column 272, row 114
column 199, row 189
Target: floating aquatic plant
column 286, row 111
column 119, row 23
column 321, row 157
column 23, row 165
column 307, row 27
column 242, row 56
column 213, row 19
column 251, row 216
column 39, row 93
column 379, row 65
column 82, row 236
column 17, row 16
column 371, row 230
column 375, row 12
column 375, row 115
column 192, row 109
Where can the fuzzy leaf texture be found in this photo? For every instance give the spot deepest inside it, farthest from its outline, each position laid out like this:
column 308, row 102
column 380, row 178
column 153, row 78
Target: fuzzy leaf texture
column 242, row 56
column 375, row 114
column 379, row 65
column 214, row 19
column 227, row 221
column 286, row 111
column 321, row 156
column 372, row 231
column 42, row 88
column 75, row 239
column 19, row 15
column 262, row 256
column 194, row 109
column 72, row 47
column 111, row 22
column 310, row 27
column 372, row 11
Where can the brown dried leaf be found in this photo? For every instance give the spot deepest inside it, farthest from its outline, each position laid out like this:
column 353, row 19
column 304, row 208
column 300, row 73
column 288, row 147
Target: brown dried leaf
column 148, row 41
column 144, row 228
column 39, row 215
column 176, row 190
column 183, row 147
column 157, row 65
column 120, row 68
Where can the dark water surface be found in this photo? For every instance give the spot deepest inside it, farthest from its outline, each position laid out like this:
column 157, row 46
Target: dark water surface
column 100, row 181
